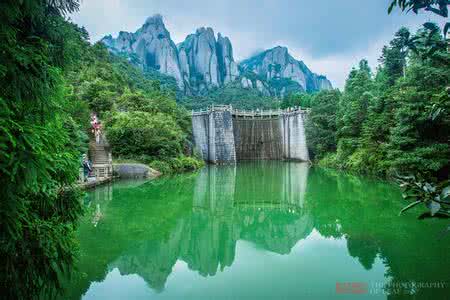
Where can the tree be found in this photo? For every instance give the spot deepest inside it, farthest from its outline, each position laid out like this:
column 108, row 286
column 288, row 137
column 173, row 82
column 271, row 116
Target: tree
column 321, row 123
column 419, row 138
column 438, row 7
column 352, row 109
column 393, row 58
column 39, row 145
column 297, row 99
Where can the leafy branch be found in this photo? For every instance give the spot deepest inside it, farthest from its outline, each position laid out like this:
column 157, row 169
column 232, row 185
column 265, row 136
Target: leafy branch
column 438, row 7
column 436, row 197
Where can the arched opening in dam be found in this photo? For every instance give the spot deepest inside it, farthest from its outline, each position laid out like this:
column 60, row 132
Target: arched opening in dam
column 224, row 135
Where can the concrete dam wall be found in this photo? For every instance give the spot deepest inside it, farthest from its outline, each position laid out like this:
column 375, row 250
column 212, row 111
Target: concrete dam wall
column 224, row 135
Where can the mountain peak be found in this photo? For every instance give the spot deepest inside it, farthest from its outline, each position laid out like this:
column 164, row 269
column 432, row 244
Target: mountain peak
column 202, row 30
column 202, row 62
column 279, row 48
column 156, row 19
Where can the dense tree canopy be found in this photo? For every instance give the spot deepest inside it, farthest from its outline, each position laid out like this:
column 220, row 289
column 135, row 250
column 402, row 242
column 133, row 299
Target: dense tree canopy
column 40, row 144
column 395, row 121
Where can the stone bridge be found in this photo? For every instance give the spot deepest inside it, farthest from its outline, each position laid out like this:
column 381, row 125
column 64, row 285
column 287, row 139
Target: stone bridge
column 225, row 135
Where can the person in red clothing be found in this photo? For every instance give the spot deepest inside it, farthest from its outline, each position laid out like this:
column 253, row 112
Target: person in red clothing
column 96, row 127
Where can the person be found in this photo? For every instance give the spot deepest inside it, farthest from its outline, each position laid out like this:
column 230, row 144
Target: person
column 98, row 132
column 86, row 167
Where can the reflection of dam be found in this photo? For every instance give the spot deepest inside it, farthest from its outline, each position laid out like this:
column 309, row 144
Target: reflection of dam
column 158, row 229
column 265, row 184
column 252, row 203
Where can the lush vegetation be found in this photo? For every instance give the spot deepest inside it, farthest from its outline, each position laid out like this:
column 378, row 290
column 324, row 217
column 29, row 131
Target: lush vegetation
column 234, row 94
column 394, row 122
column 40, row 146
column 140, row 114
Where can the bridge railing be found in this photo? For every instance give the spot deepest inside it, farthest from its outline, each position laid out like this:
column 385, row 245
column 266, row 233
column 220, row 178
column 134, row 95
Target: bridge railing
column 251, row 113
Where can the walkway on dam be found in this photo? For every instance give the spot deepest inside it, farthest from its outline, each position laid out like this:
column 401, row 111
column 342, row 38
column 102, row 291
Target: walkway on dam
column 250, row 114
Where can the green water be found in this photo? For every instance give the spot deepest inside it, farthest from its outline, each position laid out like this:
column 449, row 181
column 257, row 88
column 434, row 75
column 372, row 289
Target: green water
column 263, row 230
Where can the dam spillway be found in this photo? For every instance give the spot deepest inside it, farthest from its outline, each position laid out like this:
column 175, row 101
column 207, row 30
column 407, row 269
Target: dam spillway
column 225, row 135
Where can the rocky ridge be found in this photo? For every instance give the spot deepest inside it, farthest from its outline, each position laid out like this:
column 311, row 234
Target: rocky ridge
column 201, row 62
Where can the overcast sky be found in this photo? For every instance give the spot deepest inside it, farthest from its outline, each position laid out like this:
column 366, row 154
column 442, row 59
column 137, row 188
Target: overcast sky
column 330, row 36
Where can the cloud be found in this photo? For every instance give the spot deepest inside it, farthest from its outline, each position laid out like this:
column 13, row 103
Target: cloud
column 329, row 36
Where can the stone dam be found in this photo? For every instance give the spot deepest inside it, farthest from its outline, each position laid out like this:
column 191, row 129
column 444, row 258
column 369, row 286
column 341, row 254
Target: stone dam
column 226, row 135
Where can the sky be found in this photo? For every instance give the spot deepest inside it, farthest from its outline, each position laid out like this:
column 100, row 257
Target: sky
column 330, row 36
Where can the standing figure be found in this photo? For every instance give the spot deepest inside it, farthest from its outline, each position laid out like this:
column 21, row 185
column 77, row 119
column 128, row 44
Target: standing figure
column 98, row 132
column 87, row 168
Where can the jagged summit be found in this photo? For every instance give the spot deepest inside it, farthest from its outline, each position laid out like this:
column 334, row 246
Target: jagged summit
column 276, row 65
column 156, row 19
column 202, row 61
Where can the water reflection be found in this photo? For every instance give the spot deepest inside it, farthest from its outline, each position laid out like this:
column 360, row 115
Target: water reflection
column 146, row 228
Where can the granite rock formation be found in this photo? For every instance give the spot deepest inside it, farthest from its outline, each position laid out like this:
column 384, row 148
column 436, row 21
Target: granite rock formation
column 282, row 72
column 201, row 62
column 198, row 60
column 152, row 45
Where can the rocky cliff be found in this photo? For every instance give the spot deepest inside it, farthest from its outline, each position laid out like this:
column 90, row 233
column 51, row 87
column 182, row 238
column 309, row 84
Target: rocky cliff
column 152, row 45
column 275, row 69
column 198, row 59
column 202, row 62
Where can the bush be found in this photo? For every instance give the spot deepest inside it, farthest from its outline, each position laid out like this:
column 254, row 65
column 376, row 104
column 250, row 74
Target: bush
column 137, row 133
column 177, row 165
column 161, row 166
column 329, row 161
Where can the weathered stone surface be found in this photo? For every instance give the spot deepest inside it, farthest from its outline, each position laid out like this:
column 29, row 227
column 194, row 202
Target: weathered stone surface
column 153, row 46
column 214, row 137
column 246, row 83
column 228, row 69
column 222, row 147
column 201, row 62
column 258, row 139
column 220, row 138
column 262, row 88
column 277, row 63
column 134, row 170
column 198, row 54
column 200, row 125
column 294, row 138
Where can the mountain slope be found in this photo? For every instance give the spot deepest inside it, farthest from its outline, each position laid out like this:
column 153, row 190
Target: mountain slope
column 278, row 71
column 202, row 63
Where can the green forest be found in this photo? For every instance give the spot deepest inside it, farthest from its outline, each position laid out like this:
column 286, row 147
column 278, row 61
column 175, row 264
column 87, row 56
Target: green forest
column 391, row 121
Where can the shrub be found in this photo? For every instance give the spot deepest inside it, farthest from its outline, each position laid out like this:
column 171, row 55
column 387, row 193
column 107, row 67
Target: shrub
column 177, row 165
column 140, row 133
column 329, row 160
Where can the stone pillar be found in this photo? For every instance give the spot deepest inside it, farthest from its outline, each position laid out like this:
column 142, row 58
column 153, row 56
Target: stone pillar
column 221, row 137
column 200, row 128
column 294, row 137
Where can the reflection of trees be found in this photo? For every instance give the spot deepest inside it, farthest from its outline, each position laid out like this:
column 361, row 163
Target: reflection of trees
column 199, row 219
column 364, row 211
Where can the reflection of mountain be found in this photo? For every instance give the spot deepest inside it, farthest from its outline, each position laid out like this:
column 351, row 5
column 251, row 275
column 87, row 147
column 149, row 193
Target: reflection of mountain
column 206, row 238
column 199, row 218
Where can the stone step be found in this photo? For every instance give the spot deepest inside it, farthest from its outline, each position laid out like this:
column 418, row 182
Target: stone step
column 100, row 158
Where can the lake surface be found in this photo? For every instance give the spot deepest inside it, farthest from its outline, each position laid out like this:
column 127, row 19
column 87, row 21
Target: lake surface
column 258, row 230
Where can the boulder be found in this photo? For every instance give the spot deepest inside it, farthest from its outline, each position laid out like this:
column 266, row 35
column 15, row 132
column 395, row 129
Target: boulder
column 135, row 170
